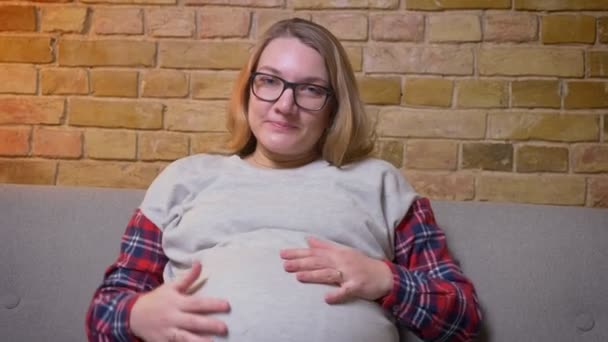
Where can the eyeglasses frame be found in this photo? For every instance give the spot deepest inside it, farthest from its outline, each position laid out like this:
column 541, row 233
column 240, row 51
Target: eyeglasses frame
column 292, row 86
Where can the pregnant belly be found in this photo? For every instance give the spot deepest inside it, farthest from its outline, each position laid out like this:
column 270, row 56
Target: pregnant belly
column 269, row 304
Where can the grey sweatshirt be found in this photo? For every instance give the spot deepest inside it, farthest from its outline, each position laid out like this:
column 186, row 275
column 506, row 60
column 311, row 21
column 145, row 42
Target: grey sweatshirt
column 235, row 218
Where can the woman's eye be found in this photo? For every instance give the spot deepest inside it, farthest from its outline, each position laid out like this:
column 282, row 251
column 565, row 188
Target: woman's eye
column 268, row 80
column 312, row 90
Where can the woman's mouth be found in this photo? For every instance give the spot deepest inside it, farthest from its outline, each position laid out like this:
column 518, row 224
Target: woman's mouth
column 281, row 125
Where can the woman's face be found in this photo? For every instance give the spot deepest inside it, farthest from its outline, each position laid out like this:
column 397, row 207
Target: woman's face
column 283, row 129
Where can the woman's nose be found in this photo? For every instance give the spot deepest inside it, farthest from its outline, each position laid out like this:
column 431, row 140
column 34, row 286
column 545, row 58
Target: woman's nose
column 286, row 102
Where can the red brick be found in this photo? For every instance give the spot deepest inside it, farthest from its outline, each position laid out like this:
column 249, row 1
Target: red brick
column 64, row 81
column 355, row 56
column 26, row 49
column 203, row 55
column 428, row 92
column 63, row 19
column 602, row 30
column 399, row 58
column 110, row 144
column 196, row 116
column 18, row 79
column 431, row 154
column 538, row 189
column 443, row 186
column 380, row 90
column 510, row 27
column 582, row 94
column 73, row 52
column 542, row 61
column 557, row 29
column 31, row 110
column 208, row 142
column 344, row 4
column 543, row 126
column 597, row 192
column 162, row 145
column 28, row 171
column 591, row 158
column 560, row 5
column 171, row 22
column 432, row 5
column 213, row 85
column 115, row 114
column 140, row 2
column 597, row 63
column 17, row 18
column 487, row 156
column 56, row 142
column 454, row 28
column 397, row 27
column 164, row 83
column 536, row 94
column 441, row 124
column 345, row 26
column 224, row 23
column 248, row 3
column 531, row 158
column 116, row 83
column 482, row 93
column 390, row 151
column 118, row 21
column 14, row 141
column 106, row 174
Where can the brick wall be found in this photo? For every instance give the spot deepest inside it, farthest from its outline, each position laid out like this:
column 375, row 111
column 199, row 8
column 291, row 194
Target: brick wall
column 489, row 100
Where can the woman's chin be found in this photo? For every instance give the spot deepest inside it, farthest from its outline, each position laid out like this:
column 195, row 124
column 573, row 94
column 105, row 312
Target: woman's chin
column 286, row 148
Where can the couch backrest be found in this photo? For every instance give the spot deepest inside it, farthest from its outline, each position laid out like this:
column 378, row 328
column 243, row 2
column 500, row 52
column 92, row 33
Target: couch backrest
column 541, row 272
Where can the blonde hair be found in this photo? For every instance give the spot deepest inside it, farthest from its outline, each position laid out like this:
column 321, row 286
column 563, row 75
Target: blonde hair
column 349, row 137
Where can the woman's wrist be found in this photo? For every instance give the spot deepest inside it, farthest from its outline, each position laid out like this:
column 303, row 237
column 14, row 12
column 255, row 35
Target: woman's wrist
column 133, row 314
column 385, row 279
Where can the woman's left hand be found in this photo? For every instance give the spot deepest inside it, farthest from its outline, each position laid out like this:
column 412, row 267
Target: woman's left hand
column 324, row 262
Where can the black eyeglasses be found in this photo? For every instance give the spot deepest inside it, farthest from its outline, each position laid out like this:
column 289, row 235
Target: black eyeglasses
column 308, row 96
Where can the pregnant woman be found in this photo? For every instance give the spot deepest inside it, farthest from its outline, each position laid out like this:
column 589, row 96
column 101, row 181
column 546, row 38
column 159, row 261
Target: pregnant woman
column 292, row 232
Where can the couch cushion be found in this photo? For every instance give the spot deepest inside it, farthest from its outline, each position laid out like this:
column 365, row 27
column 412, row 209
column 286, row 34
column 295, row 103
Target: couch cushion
column 58, row 242
column 540, row 271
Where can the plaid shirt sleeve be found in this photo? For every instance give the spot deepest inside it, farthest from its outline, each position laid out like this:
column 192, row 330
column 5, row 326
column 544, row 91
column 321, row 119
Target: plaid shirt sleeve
column 138, row 269
column 430, row 296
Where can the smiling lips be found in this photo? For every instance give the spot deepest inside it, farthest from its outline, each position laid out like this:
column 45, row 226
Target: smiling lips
column 282, row 125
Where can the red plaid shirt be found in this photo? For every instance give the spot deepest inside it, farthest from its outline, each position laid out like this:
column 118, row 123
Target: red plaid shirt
column 431, row 297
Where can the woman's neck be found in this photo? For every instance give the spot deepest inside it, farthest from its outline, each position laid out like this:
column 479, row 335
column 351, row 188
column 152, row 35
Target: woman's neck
column 269, row 160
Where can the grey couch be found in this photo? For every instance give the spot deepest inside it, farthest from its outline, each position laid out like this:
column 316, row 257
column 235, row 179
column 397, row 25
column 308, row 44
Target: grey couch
column 541, row 272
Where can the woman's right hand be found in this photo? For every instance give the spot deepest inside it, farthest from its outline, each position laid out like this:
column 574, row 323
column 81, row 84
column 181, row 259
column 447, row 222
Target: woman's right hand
column 169, row 313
